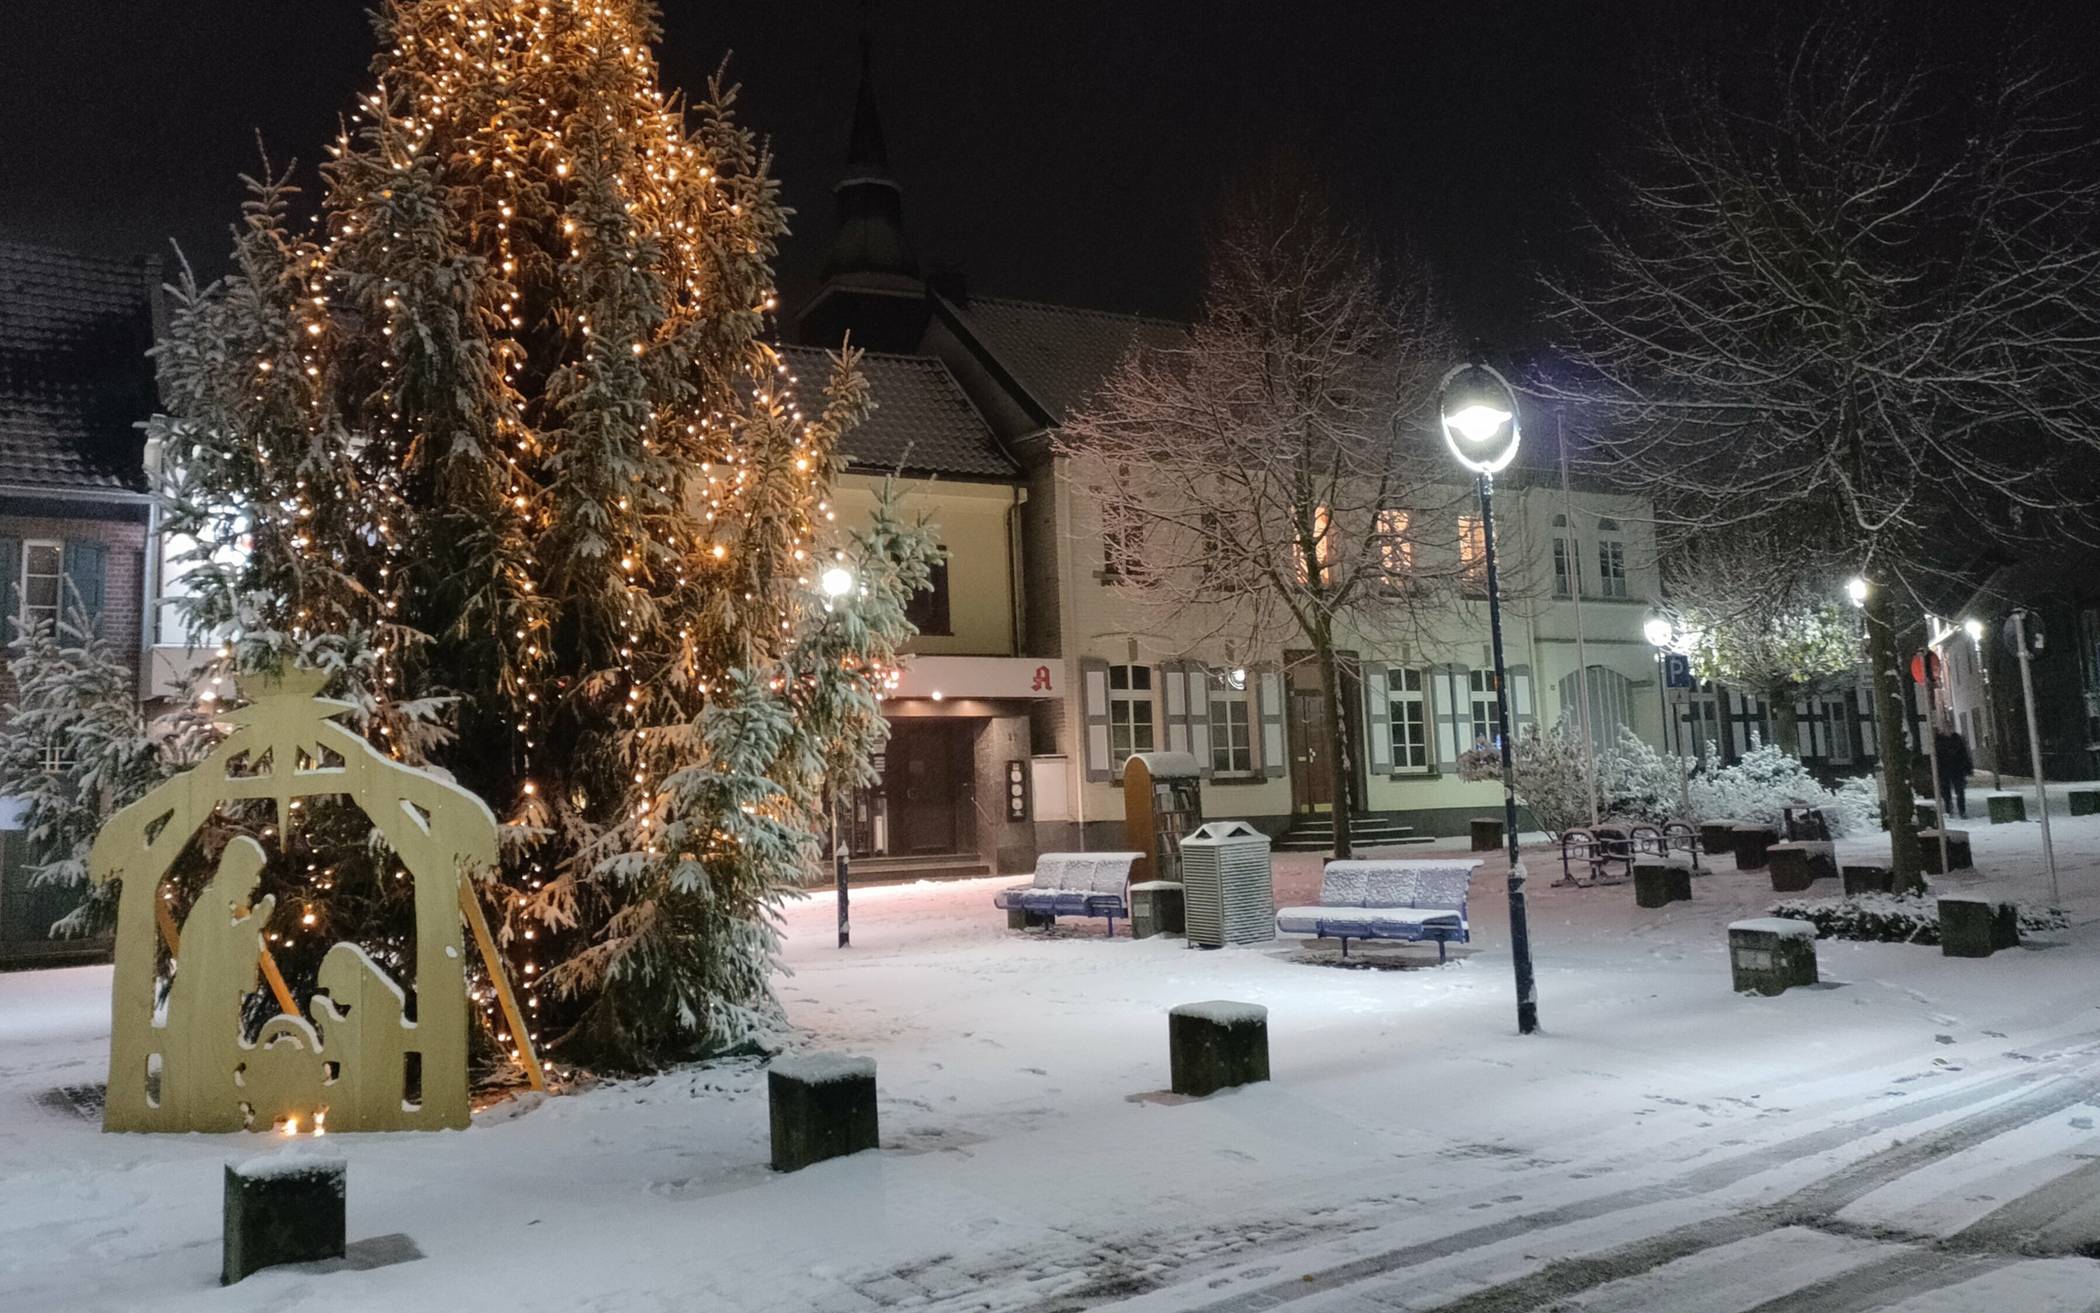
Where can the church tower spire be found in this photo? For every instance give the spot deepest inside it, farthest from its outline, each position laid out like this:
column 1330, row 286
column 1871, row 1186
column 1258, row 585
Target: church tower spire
column 869, row 248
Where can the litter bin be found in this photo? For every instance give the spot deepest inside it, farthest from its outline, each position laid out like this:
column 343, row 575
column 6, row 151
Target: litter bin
column 1228, row 894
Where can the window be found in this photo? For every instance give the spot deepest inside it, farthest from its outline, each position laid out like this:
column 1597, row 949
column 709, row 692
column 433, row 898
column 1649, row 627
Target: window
column 1483, row 699
column 1129, row 713
column 1396, row 555
column 1472, row 551
column 1122, row 547
column 1231, row 729
column 58, row 758
column 1611, row 561
column 43, row 582
column 1323, row 547
column 1408, row 707
column 928, row 608
column 1567, row 565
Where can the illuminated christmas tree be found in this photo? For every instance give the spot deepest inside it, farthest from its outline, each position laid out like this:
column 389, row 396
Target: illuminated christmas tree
column 499, row 439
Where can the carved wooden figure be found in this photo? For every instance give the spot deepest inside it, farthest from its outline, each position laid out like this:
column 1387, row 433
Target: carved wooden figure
column 359, row 1059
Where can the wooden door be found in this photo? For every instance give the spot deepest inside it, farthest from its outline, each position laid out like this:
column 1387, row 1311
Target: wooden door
column 1312, row 774
column 922, row 789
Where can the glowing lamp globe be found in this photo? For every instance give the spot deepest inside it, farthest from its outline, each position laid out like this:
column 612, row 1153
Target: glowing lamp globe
column 836, row 581
column 1974, row 629
column 1478, row 412
column 1856, row 589
column 1658, row 631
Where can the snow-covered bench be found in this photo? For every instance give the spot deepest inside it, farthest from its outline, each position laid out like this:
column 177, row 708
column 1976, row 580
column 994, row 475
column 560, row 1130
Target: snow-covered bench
column 1073, row 884
column 1407, row 899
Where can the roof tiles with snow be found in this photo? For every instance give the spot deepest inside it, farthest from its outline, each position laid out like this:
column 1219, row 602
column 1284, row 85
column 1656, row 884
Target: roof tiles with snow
column 74, row 376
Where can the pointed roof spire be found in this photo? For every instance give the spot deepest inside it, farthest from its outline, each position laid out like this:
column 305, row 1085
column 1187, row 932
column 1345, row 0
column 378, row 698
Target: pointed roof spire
column 865, row 153
column 870, row 240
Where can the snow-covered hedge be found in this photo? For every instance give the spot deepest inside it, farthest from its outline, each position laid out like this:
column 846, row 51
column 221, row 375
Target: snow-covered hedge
column 1892, row 918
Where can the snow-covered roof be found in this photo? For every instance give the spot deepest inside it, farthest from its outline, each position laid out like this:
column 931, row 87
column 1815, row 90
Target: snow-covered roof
column 1061, row 354
column 922, row 422
column 74, row 376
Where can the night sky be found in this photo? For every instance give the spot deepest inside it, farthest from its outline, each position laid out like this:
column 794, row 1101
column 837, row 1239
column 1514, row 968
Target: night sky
column 1066, row 151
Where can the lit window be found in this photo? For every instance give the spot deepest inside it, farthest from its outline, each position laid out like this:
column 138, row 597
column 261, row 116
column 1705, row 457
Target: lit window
column 43, row 582
column 1408, row 708
column 1472, row 550
column 1129, row 713
column 1231, row 728
column 1396, row 554
column 1323, row 547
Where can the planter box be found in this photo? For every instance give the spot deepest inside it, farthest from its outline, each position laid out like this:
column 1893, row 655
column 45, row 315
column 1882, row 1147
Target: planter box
column 2006, row 808
column 1770, row 955
column 1977, row 927
column 823, row 1106
column 1216, row 1045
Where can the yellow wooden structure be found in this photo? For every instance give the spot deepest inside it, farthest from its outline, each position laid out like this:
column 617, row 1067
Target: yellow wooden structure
column 356, row 1059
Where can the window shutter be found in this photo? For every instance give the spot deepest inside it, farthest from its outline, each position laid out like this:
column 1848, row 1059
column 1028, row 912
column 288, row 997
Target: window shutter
column 1176, row 735
column 1379, row 721
column 1523, row 716
column 10, row 590
column 1199, row 716
column 1269, row 703
column 1453, row 714
column 86, row 563
column 1093, row 681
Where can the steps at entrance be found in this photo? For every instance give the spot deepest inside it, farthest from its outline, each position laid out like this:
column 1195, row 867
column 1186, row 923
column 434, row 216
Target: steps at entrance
column 879, row 870
column 1315, row 834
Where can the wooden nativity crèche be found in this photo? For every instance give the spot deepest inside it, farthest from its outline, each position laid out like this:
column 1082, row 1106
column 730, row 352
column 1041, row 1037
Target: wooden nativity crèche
column 356, row 1058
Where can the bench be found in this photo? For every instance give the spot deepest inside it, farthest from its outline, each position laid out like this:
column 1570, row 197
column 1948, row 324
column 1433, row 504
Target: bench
column 1408, row 899
column 1072, row 884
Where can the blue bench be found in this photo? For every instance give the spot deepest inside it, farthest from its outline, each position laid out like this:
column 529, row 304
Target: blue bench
column 1071, row 884
column 1408, row 899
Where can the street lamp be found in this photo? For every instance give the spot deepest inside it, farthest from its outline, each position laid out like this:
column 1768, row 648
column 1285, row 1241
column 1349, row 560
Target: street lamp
column 1477, row 409
column 836, row 583
column 1856, row 589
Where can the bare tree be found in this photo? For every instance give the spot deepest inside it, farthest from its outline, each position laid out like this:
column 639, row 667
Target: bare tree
column 1265, row 479
column 1853, row 302
column 1755, row 613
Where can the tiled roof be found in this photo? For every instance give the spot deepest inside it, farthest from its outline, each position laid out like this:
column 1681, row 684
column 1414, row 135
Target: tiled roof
column 923, row 423
column 1059, row 354
column 74, row 377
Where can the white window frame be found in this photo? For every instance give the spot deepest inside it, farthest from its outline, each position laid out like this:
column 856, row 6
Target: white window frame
column 1408, row 724
column 1611, row 567
column 1481, row 706
column 28, row 611
column 1130, row 709
column 1232, row 723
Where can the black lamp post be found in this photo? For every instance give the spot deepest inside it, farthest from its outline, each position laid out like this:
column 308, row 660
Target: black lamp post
column 837, row 583
column 1478, row 412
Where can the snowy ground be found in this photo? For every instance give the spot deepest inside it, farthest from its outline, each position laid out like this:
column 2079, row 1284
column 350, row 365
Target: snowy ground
column 1919, row 1134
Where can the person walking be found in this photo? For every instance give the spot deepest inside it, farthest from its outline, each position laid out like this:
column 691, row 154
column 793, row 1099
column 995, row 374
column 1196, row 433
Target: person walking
column 1955, row 765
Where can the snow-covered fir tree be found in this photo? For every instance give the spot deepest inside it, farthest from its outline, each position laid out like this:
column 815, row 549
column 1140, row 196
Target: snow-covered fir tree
column 498, row 439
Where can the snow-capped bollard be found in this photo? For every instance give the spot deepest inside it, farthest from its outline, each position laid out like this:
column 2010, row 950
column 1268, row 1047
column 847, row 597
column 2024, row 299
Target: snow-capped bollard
column 2006, row 808
column 2084, row 802
column 1799, row 863
column 1957, row 851
column 1487, row 834
column 1926, row 815
column 1660, row 881
column 1717, row 838
column 1216, row 1045
column 1865, row 879
column 1753, row 845
column 1770, row 954
column 823, row 1106
column 1018, row 918
column 1977, row 927
column 1156, row 909
column 281, row 1208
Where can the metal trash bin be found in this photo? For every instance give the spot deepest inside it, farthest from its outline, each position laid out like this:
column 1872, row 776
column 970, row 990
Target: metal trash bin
column 1228, row 893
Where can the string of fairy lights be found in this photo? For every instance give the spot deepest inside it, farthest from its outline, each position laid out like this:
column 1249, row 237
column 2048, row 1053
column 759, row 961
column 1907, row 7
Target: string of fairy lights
column 517, row 174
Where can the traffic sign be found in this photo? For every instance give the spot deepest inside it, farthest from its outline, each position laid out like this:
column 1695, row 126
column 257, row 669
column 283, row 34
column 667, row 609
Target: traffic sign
column 1677, row 670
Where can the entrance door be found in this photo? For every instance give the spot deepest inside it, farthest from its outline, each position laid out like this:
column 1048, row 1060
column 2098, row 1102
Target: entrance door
column 1312, row 774
column 921, row 784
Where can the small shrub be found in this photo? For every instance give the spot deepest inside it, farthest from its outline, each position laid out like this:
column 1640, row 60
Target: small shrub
column 1893, row 918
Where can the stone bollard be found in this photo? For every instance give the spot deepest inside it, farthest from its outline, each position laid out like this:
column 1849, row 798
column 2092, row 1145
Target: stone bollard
column 1216, row 1045
column 1869, row 880
column 1799, row 863
column 2085, row 802
column 1487, row 834
column 281, row 1208
column 1717, row 838
column 1752, row 846
column 1156, row 909
column 1926, row 815
column 823, row 1106
column 1019, row 918
column 1657, row 883
column 1957, row 851
column 1770, row 955
column 1977, row 927
column 2007, row 808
